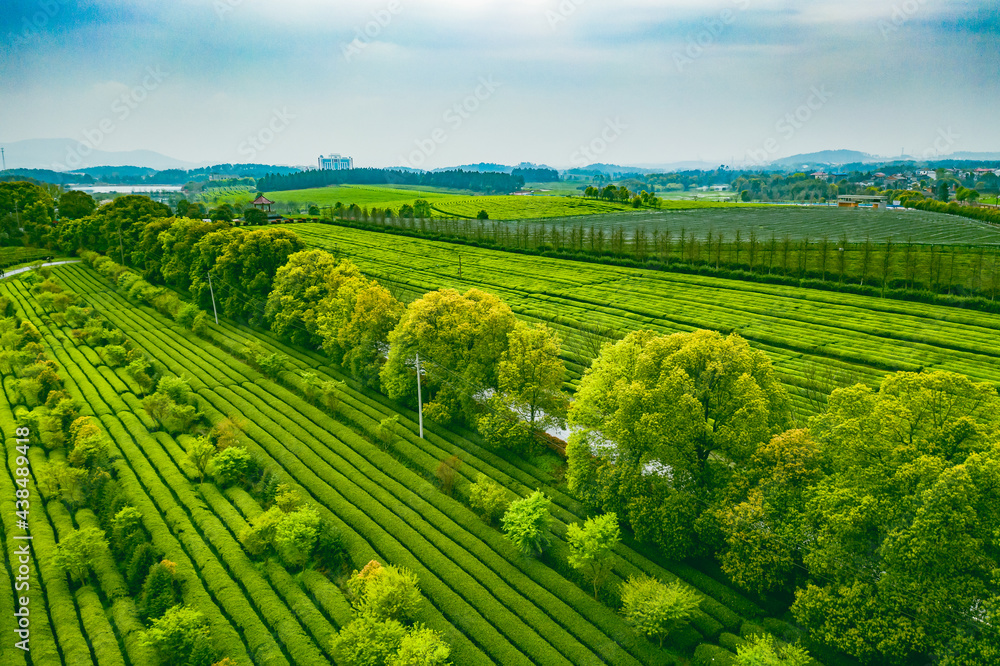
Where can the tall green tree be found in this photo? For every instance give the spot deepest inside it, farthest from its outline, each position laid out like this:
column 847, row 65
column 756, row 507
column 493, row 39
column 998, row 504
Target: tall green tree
column 531, row 374
column 75, row 204
column 299, row 285
column 461, row 339
column 902, row 546
column 661, row 423
column 591, row 547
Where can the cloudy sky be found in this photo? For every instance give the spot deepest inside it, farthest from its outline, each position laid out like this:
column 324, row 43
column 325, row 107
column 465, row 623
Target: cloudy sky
column 441, row 82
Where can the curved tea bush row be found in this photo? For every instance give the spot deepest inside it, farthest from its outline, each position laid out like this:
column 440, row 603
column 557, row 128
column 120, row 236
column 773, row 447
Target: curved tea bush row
column 729, row 618
column 247, row 410
column 99, row 631
column 43, row 644
column 153, row 519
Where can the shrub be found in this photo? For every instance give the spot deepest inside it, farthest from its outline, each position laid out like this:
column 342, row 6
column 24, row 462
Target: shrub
column 765, row 650
column 143, row 557
column 421, row 647
column 201, row 323
column 75, row 553
column 296, row 536
column 488, row 498
column 181, row 638
column 387, row 431
column 656, row 609
column 160, row 591
column 186, row 315
column 271, row 364
column 526, row 523
column 384, row 592
column 234, row 465
column 176, row 388
column 113, row 355
column 368, row 641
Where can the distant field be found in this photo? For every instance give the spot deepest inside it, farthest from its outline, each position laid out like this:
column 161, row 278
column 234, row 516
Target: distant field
column 805, row 222
column 818, row 340
column 12, row 256
column 499, row 207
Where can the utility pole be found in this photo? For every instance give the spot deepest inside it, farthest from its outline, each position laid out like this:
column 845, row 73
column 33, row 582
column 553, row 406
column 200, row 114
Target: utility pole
column 211, row 290
column 4, row 159
column 459, row 265
column 420, row 401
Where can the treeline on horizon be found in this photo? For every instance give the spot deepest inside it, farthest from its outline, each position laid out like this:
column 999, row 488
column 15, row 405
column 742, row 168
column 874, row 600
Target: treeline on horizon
column 488, row 183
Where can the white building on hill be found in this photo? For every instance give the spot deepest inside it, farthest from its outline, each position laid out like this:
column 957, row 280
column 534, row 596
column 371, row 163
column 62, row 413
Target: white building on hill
column 335, row 162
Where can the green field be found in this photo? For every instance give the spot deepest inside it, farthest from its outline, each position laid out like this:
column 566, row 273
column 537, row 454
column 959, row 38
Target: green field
column 13, row 256
column 450, row 205
column 806, row 222
column 818, row 340
column 491, row 604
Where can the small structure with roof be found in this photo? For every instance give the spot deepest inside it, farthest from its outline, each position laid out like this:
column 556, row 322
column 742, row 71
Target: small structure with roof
column 878, row 202
column 262, row 201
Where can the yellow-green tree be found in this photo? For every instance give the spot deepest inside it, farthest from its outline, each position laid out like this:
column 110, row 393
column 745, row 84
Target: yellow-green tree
column 531, row 374
column 662, row 422
column 460, row 338
column 903, row 545
column 298, row 288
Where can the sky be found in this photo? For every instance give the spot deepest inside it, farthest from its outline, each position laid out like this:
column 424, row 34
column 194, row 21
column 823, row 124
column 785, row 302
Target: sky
column 433, row 83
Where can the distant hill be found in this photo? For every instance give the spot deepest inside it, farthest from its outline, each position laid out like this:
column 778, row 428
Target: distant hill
column 482, row 167
column 827, row 157
column 70, row 155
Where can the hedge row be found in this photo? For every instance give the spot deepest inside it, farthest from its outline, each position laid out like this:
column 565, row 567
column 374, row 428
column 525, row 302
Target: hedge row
column 99, row 631
column 43, row 644
column 229, row 552
column 123, row 609
column 361, row 550
column 728, row 616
